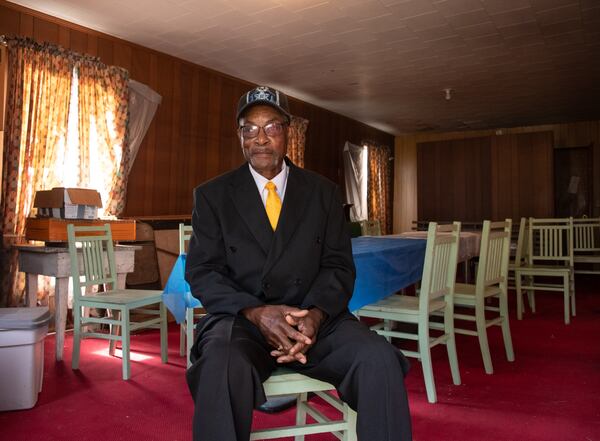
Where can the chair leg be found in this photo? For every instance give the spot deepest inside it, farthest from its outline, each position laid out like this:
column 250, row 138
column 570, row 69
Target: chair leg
column 300, row 414
column 451, row 345
column 189, row 334
column 425, row 354
column 350, row 417
column 566, row 298
column 182, row 333
column 164, row 334
column 125, row 332
column 572, row 290
column 387, row 326
column 505, row 324
column 531, row 294
column 76, row 336
column 519, row 295
column 482, row 336
column 115, row 330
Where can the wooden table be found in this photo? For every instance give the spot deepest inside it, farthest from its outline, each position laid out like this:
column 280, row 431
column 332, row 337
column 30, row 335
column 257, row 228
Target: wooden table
column 54, row 262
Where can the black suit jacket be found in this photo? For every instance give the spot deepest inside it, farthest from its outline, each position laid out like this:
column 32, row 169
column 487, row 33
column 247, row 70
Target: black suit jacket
column 236, row 261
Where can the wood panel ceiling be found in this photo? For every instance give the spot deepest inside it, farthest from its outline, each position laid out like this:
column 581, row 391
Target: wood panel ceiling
column 383, row 62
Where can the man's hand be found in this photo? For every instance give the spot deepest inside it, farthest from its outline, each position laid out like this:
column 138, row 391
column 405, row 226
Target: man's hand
column 279, row 331
column 308, row 322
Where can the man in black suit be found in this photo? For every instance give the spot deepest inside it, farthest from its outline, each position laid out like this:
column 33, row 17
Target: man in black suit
column 270, row 259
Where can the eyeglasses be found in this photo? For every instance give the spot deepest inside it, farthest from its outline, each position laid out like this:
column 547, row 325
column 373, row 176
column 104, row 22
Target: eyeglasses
column 250, row 131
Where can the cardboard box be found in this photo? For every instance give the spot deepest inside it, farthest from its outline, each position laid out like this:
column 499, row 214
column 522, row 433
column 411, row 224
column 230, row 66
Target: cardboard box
column 68, row 203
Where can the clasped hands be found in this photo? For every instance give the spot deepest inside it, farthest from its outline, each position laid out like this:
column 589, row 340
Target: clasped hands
column 290, row 330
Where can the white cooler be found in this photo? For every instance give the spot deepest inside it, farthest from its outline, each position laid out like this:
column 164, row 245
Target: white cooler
column 22, row 334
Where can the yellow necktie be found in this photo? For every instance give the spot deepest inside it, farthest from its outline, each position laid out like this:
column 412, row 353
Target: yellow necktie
column 273, row 204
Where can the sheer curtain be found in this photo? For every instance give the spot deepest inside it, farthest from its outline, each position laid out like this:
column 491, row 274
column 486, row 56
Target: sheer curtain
column 143, row 103
column 355, row 176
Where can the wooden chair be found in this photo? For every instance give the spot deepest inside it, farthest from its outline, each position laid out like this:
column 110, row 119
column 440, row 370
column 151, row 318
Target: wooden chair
column 491, row 283
column 285, row 382
column 370, row 228
column 436, row 295
column 186, row 329
column 550, row 255
column 93, row 263
column 586, row 249
column 520, row 258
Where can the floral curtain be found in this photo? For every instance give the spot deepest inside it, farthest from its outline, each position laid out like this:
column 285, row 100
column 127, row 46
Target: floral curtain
column 103, row 111
column 66, row 125
column 379, row 197
column 297, row 140
column 39, row 88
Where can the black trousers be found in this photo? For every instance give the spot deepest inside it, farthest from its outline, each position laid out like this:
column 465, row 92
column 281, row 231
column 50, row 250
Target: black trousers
column 231, row 360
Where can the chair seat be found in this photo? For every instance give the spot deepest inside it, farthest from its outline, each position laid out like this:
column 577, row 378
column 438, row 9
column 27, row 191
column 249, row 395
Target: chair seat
column 285, row 381
column 465, row 292
column 139, row 297
column 403, row 305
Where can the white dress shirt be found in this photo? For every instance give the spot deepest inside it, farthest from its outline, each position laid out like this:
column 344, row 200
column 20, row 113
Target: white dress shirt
column 280, row 182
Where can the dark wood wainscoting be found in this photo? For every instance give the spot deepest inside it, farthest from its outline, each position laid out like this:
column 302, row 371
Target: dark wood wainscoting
column 490, row 177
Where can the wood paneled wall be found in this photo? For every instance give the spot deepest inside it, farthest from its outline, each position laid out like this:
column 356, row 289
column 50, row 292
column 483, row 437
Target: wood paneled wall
column 453, row 177
column 511, row 165
column 192, row 137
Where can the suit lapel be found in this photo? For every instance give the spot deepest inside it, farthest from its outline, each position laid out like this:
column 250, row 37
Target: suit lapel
column 296, row 197
column 247, row 202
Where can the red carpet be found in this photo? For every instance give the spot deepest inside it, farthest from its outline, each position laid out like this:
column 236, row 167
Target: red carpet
column 551, row 392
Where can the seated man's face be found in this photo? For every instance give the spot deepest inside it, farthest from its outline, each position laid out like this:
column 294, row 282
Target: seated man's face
column 266, row 149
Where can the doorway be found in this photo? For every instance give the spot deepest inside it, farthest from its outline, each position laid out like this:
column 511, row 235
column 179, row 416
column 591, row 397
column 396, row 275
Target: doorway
column 573, row 181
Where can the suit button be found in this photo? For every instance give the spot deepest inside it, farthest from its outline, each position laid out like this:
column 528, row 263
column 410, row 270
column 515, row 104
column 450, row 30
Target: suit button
column 318, row 239
column 233, row 249
column 298, row 281
column 266, row 285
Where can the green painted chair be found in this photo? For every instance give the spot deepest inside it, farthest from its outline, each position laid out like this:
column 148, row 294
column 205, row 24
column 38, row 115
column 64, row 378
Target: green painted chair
column 520, row 258
column 549, row 255
column 491, row 283
column 93, row 263
column 586, row 251
column 436, row 295
column 186, row 330
column 286, row 382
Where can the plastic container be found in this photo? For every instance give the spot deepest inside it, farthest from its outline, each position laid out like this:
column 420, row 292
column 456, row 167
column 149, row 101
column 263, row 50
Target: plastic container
column 22, row 335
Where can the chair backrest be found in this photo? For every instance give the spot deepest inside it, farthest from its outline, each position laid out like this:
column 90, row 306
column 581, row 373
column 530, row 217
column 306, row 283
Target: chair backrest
column 370, row 227
column 92, row 257
column 439, row 269
column 586, row 235
column 494, row 254
column 185, row 232
column 550, row 240
column 521, row 249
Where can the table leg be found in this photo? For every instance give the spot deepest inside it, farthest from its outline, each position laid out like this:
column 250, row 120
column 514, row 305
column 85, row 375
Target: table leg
column 61, row 292
column 121, row 277
column 31, row 283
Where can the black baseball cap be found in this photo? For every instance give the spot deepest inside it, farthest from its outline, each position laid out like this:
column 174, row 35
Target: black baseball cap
column 264, row 95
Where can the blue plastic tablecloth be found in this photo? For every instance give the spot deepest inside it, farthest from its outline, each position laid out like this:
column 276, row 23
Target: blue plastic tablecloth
column 177, row 295
column 383, row 266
